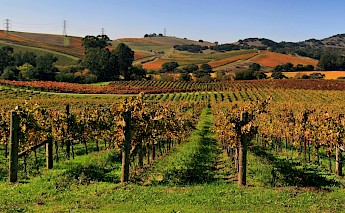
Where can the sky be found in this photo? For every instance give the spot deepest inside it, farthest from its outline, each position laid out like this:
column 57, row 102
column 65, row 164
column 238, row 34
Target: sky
column 224, row 21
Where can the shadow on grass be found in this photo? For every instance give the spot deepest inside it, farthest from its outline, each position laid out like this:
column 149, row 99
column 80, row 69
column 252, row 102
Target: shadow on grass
column 287, row 172
column 199, row 167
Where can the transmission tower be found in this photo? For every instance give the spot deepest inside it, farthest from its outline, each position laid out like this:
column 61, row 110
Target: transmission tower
column 102, row 31
column 64, row 28
column 7, row 24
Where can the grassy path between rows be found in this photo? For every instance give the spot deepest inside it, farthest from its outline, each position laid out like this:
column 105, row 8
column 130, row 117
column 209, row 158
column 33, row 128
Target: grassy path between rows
column 190, row 163
column 190, row 179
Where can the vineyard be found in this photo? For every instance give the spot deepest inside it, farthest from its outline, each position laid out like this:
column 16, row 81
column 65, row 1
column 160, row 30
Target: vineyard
column 271, row 59
column 178, row 147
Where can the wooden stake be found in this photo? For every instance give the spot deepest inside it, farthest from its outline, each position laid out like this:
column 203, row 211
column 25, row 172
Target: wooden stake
column 49, row 153
column 242, row 158
column 338, row 162
column 126, row 147
column 14, row 144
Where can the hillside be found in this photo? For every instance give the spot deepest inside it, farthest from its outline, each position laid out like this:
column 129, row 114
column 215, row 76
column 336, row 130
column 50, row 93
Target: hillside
column 272, row 59
column 152, row 52
column 313, row 48
column 57, row 43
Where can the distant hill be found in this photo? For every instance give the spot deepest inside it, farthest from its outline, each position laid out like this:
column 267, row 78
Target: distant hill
column 312, row 48
column 57, row 43
column 152, row 52
column 166, row 40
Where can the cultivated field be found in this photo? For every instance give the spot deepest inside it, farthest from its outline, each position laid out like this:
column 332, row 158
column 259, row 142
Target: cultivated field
column 329, row 75
column 184, row 147
column 271, row 59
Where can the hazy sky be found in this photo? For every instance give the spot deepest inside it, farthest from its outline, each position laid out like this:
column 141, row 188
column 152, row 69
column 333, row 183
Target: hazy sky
column 211, row 20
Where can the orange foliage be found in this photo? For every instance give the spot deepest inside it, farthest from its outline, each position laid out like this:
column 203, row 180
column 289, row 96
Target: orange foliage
column 140, row 55
column 156, row 64
column 225, row 61
column 74, row 48
column 271, row 59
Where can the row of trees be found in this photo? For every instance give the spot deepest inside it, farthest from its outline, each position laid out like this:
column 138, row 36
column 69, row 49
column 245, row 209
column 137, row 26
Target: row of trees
column 26, row 66
column 254, row 72
column 110, row 65
column 99, row 64
column 289, row 67
column 190, row 48
column 330, row 61
column 202, row 73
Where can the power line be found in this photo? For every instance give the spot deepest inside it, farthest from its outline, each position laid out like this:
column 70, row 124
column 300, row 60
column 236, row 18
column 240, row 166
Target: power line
column 7, row 24
column 64, row 28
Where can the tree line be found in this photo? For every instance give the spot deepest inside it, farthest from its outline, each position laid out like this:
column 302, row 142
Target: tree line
column 201, row 73
column 26, row 66
column 99, row 64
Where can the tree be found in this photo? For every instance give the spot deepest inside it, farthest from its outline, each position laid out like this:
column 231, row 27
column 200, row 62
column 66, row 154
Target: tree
column 100, row 42
column 26, row 72
column 10, row 73
column 185, row 77
column 26, row 57
column 255, row 67
column 191, row 68
column 328, row 61
column 206, row 68
column 125, row 57
column 204, row 73
column 6, row 57
column 317, row 75
column 169, row 67
column 277, row 75
column 245, row 75
column 138, row 73
column 288, row 67
column 221, row 75
column 101, row 63
column 44, row 69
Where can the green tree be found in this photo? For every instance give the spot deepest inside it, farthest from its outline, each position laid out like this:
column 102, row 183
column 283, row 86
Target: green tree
column 204, row 73
column 26, row 57
column 245, row 75
column 45, row 69
column 138, row 73
column 191, row 68
column 255, row 67
column 125, row 57
column 169, row 67
column 277, row 75
column 184, row 76
column 10, row 73
column 101, row 63
column 6, row 57
column 100, row 42
column 26, row 72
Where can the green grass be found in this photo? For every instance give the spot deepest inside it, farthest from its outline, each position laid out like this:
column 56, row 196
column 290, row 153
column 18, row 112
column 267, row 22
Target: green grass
column 90, row 184
column 101, row 83
column 146, row 46
column 64, row 59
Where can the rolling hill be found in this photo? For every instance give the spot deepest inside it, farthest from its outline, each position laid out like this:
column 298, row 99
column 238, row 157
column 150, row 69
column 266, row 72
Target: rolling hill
column 57, row 43
column 152, row 52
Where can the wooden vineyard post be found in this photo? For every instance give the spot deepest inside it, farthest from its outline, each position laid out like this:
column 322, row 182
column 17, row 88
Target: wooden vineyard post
column 338, row 162
column 126, row 147
column 49, row 153
column 14, row 144
column 68, row 141
column 242, row 158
